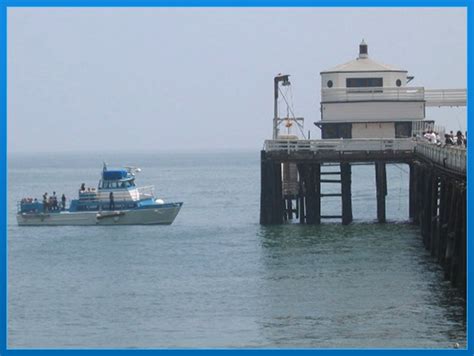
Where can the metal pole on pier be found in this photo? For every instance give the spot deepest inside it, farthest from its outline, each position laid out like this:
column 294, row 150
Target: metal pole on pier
column 285, row 82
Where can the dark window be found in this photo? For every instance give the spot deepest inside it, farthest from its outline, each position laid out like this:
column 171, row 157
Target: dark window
column 364, row 82
column 402, row 129
column 399, row 83
column 336, row 131
column 329, row 83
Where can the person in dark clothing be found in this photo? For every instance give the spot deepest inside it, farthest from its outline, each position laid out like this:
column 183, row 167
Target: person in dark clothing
column 448, row 140
column 83, row 187
column 45, row 202
column 63, row 202
column 54, row 201
column 111, row 201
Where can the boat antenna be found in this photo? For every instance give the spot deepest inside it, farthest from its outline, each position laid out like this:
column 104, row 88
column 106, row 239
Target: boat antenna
column 132, row 170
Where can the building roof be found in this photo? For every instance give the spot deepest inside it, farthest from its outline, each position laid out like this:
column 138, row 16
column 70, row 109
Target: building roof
column 363, row 65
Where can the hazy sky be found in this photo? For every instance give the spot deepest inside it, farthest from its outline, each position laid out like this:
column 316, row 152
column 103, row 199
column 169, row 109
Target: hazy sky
column 202, row 78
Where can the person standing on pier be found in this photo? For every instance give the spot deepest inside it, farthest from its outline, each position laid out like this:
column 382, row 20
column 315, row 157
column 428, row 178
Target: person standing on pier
column 448, row 140
column 459, row 138
column 63, row 202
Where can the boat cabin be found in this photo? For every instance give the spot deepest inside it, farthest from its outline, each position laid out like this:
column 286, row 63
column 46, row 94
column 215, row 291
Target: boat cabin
column 119, row 182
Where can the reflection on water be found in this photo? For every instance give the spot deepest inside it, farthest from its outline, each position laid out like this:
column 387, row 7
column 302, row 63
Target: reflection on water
column 363, row 285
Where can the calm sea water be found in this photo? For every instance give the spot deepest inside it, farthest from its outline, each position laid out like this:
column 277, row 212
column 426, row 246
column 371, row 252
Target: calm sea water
column 216, row 278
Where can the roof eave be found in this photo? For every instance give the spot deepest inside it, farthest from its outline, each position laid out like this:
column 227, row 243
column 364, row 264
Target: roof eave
column 364, row 71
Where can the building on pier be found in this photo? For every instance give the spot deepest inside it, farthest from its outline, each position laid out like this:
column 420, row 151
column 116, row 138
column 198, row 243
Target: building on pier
column 367, row 99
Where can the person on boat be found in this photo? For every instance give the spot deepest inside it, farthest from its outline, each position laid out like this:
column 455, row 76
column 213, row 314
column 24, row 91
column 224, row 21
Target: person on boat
column 54, row 201
column 63, row 202
column 111, row 199
column 83, row 187
column 45, row 202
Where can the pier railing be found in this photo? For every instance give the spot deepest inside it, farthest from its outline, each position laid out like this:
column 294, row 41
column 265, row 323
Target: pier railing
column 445, row 97
column 373, row 94
column 431, row 97
column 340, row 145
column 451, row 157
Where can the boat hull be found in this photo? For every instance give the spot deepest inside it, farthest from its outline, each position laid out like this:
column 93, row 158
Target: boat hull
column 158, row 215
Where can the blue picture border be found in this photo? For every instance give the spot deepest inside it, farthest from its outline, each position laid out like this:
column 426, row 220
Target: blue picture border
column 4, row 5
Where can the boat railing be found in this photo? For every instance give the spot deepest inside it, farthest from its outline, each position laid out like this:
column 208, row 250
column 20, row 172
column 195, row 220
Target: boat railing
column 135, row 194
column 37, row 207
column 146, row 192
column 104, row 196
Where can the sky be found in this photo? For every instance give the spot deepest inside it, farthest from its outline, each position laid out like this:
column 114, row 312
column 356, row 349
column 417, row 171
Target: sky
column 201, row 79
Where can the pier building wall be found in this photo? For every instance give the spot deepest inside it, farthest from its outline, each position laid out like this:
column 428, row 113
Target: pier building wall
column 372, row 111
column 373, row 130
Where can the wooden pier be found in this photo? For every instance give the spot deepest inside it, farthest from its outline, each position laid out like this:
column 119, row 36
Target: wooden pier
column 437, row 188
column 311, row 158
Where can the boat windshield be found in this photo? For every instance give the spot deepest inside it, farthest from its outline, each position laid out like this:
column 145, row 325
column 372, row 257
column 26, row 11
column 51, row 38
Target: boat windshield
column 109, row 184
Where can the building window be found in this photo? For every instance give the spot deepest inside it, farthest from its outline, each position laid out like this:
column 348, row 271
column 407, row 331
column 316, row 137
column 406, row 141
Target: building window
column 399, row 83
column 364, row 82
column 329, row 83
column 403, row 129
column 336, row 130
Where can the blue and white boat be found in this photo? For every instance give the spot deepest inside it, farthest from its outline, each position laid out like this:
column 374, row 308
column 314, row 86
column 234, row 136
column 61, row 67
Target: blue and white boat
column 116, row 201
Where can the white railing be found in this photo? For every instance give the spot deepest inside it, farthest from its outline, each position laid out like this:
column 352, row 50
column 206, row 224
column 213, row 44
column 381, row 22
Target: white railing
column 340, row 145
column 451, row 157
column 373, row 94
column 445, row 97
column 119, row 195
column 432, row 97
column 146, row 192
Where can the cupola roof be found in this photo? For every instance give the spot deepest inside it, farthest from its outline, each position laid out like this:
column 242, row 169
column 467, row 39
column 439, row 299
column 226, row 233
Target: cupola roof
column 362, row 64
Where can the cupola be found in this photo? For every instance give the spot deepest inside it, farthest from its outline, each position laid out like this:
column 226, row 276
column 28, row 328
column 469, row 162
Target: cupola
column 363, row 50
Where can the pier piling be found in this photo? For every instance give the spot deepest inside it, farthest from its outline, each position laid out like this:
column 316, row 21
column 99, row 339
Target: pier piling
column 346, row 193
column 381, row 187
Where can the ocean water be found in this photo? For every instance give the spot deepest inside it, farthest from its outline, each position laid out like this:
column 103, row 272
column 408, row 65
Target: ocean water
column 215, row 278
